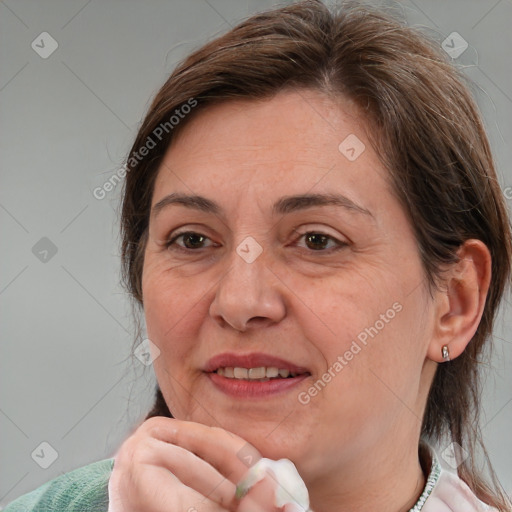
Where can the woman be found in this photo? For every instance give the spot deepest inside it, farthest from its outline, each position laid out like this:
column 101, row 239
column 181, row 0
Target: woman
column 314, row 230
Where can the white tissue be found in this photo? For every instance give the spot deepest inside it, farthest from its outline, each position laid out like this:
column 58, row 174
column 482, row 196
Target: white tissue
column 291, row 489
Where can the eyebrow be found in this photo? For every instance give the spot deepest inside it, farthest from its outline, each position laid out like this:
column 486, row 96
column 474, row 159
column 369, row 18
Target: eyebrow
column 285, row 205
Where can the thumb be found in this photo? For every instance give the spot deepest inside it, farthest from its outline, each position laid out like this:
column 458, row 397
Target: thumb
column 262, row 496
column 294, row 507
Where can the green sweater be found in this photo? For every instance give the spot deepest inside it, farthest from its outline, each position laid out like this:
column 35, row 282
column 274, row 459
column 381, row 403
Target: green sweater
column 83, row 490
column 86, row 490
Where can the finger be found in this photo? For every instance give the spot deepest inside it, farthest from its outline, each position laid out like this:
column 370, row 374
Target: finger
column 228, row 453
column 191, row 470
column 293, row 507
column 269, row 494
column 159, row 491
column 261, row 496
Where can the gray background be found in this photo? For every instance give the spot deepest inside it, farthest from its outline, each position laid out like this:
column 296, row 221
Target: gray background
column 67, row 375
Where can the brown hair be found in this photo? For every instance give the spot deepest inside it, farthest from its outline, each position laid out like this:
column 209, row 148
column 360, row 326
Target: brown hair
column 426, row 128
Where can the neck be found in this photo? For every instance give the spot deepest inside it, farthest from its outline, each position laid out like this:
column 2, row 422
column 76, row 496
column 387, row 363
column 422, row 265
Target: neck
column 387, row 483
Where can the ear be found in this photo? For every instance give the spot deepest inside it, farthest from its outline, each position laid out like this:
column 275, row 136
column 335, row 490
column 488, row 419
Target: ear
column 460, row 303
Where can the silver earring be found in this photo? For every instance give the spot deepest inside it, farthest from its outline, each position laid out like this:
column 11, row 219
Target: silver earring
column 446, row 353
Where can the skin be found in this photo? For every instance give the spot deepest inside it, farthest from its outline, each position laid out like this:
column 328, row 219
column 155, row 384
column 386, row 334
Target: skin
column 355, row 443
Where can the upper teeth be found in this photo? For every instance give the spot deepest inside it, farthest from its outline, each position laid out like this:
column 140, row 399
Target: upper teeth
column 254, row 373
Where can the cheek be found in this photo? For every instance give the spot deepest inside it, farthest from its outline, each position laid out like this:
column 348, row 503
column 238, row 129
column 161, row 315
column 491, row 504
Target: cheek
column 335, row 310
column 372, row 322
column 171, row 306
column 388, row 369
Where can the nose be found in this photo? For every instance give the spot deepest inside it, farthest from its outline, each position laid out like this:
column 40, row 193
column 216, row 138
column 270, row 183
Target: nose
column 248, row 296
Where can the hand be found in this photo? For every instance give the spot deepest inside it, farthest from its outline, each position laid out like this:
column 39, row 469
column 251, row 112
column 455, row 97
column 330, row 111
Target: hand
column 169, row 465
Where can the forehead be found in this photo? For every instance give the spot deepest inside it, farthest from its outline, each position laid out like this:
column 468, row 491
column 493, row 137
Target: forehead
column 290, row 142
column 301, row 115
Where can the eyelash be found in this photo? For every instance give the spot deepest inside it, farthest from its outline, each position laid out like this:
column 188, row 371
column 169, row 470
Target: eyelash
column 172, row 242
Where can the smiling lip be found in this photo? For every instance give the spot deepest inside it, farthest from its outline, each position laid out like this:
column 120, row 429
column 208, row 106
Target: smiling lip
column 241, row 388
column 252, row 360
column 246, row 389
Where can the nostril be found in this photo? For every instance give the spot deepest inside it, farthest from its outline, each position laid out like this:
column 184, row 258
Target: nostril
column 258, row 319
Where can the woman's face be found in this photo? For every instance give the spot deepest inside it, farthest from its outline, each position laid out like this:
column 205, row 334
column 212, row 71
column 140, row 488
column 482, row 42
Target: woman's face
column 336, row 289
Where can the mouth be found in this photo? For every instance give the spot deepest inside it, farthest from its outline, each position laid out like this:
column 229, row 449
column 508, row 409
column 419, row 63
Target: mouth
column 253, row 375
column 260, row 374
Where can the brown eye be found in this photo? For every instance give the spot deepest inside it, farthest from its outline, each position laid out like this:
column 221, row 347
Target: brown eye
column 316, row 241
column 190, row 241
column 319, row 242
